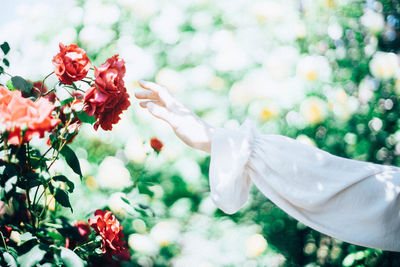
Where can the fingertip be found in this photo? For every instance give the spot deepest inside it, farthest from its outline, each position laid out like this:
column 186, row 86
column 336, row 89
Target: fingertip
column 142, row 83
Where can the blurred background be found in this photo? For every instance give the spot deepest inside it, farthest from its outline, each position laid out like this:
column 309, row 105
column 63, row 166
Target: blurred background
column 325, row 72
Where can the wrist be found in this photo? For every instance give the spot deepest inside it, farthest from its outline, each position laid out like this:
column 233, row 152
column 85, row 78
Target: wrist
column 209, row 132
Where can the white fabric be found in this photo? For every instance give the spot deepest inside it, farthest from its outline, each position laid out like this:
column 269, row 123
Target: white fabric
column 354, row 201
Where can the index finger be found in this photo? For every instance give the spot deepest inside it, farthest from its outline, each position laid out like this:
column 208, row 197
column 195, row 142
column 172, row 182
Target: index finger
column 161, row 91
column 151, row 86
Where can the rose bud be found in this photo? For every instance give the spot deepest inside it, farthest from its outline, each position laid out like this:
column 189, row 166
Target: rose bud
column 156, row 144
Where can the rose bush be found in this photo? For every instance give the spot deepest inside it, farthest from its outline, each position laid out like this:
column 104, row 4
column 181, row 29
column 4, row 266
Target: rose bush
column 31, row 191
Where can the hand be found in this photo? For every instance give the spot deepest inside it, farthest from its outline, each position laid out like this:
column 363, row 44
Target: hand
column 192, row 130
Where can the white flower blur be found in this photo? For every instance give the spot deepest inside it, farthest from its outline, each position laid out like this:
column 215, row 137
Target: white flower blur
column 170, row 79
column 255, row 245
column 314, row 110
column 314, row 68
column 139, row 226
column 143, row 244
column 384, row 65
column 112, row 174
column 117, row 205
column 373, row 21
column 281, row 62
column 166, row 232
column 135, row 149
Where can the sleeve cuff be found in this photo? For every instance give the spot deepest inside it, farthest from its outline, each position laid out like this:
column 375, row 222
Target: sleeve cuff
column 230, row 153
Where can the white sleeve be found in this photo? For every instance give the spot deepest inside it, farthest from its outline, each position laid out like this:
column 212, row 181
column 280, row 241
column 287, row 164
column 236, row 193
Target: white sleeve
column 354, row 201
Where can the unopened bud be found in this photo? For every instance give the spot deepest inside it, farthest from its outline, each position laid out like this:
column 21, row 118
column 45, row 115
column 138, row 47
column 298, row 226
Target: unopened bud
column 16, row 237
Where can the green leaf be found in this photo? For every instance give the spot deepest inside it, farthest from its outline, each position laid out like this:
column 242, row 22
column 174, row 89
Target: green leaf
column 71, row 159
column 70, row 259
column 62, row 197
column 84, row 117
column 1, row 69
column 21, row 84
column 34, row 256
column 30, row 180
column 51, row 188
column 125, row 200
column 55, row 235
column 64, row 179
column 67, row 101
column 6, row 62
column 10, row 85
column 5, row 47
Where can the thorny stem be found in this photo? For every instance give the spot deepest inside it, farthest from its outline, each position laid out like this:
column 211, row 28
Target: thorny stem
column 41, row 86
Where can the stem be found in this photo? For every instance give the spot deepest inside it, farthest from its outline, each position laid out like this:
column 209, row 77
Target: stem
column 48, row 92
column 61, row 144
column 45, row 204
column 58, row 153
column 85, row 244
column 41, row 194
column 48, row 150
column 34, row 197
column 41, row 86
column 4, row 242
column 68, row 91
column 5, row 148
column 76, row 88
column 7, row 74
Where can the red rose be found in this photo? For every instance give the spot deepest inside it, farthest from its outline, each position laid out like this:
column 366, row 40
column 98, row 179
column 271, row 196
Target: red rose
column 107, row 98
column 105, row 224
column 156, row 144
column 18, row 114
column 109, row 76
column 71, row 64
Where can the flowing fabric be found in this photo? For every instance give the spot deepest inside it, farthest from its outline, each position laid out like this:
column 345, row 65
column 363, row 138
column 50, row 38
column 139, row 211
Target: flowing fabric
column 354, row 201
